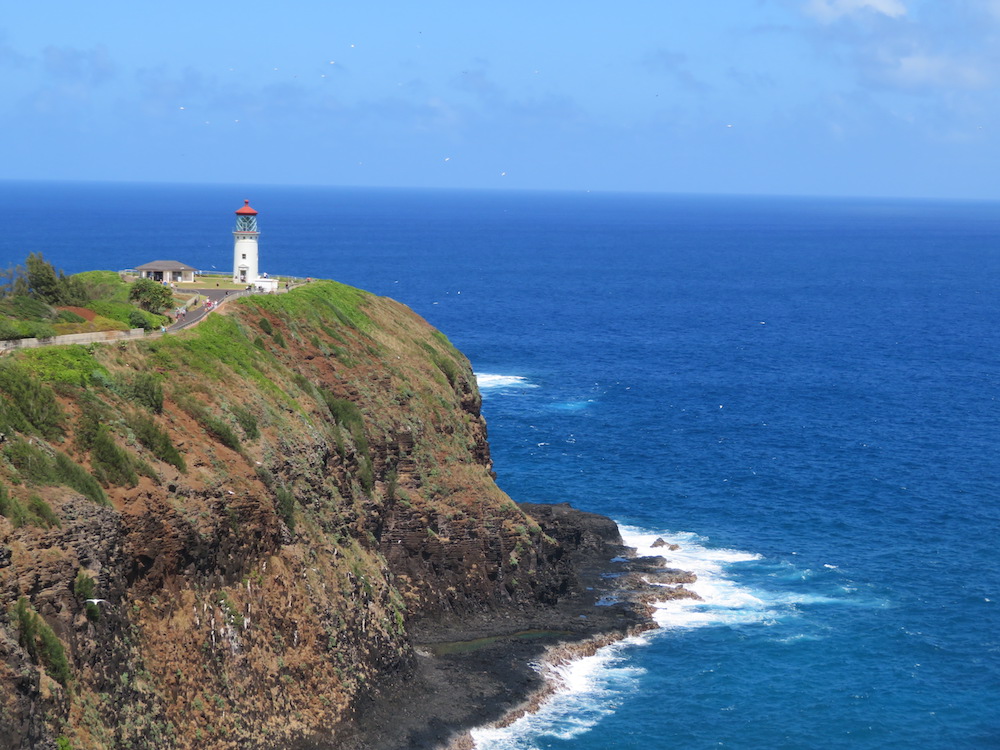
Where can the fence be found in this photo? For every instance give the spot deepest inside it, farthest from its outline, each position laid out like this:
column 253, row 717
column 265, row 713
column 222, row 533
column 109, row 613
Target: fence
column 72, row 338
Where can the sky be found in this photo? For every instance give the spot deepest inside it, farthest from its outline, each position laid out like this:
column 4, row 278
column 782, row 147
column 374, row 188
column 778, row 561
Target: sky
column 773, row 97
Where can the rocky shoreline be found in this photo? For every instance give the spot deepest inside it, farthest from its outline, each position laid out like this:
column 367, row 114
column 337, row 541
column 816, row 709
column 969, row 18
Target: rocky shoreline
column 484, row 669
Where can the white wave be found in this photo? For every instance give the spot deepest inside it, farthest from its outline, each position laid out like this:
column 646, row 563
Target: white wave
column 723, row 601
column 492, row 380
column 589, row 689
column 585, row 693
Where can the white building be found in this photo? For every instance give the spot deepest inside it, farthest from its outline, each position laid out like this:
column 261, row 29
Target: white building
column 167, row 271
column 246, row 263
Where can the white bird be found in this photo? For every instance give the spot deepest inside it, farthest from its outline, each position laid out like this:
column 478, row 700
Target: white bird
column 97, row 601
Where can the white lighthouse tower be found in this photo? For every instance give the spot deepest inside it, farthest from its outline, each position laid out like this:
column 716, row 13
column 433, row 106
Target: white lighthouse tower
column 245, row 261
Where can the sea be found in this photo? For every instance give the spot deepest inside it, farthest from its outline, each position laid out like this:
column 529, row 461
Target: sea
column 800, row 393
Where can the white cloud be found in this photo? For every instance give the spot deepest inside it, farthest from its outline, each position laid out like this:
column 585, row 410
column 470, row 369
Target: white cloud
column 831, row 10
column 923, row 70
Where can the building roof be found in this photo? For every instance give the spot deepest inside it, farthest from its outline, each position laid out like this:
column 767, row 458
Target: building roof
column 165, row 265
column 246, row 210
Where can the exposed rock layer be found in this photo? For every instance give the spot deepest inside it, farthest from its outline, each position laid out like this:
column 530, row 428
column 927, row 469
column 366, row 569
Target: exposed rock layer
column 334, row 519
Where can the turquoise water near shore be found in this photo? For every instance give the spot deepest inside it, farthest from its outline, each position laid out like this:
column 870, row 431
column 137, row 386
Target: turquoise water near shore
column 800, row 393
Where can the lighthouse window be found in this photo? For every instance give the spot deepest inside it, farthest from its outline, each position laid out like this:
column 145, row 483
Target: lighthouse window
column 244, row 256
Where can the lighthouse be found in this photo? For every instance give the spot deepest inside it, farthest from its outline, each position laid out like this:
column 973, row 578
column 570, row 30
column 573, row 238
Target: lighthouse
column 245, row 261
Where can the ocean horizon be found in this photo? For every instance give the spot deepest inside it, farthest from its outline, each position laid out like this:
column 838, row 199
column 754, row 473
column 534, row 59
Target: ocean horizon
column 800, row 393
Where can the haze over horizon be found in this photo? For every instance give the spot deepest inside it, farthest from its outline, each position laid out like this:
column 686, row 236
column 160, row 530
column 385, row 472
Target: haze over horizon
column 787, row 97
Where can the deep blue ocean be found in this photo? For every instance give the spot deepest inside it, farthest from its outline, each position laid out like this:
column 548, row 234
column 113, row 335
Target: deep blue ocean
column 802, row 393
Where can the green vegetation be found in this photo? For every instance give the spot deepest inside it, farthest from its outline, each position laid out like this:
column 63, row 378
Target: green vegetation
column 145, row 388
column 84, row 587
column 42, row 511
column 286, row 506
column 150, row 295
column 212, row 424
column 447, row 365
column 221, row 349
column 156, row 440
column 247, row 421
column 36, row 513
column 112, row 465
column 29, row 405
column 347, row 415
column 38, row 279
column 35, row 466
column 64, row 364
column 41, row 643
column 31, row 295
column 317, row 302
column 125, row 313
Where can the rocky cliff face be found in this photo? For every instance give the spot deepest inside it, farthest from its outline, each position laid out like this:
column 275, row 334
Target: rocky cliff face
column 260, row 510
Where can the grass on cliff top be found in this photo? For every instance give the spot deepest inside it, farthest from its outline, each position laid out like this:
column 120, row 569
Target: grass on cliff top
column 316, row 302
column 218, row 347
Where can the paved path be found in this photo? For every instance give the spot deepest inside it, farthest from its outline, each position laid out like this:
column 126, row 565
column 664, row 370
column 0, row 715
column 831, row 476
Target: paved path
column 215, row 296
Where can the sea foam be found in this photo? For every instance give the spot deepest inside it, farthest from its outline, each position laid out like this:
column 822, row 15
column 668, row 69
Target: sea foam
column 588, row 689
column 493, row 381
column 723, row 601
column 585, row 692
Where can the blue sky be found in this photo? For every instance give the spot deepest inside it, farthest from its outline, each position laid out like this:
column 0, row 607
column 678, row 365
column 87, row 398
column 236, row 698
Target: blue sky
column 788, row 97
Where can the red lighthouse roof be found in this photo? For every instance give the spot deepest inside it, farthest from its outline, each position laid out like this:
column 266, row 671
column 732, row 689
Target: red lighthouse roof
column 246, row 210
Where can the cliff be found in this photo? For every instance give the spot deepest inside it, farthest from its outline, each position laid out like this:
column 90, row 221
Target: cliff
column 264, row 512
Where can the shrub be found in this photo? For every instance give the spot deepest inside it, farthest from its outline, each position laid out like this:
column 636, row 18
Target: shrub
column 31, row 462
column 156, row 440
column 222, row 431
column 43, row 512
column 31, row 308
column 213, row 425
column 286, row 506
column 121, row 311
column 366, row 474
column 346, row 414
column 247, row 421
column 11, row 418
column 136, row 319
column 447, row 365
column 83, row 585
column 71, row 474
column 41, row 643
column 93, row 414
column 35, row 401
column 12, row 509
column 150, row 295
column 37, row 467
column 145, row 389
column 112, row 464
column 265, row 326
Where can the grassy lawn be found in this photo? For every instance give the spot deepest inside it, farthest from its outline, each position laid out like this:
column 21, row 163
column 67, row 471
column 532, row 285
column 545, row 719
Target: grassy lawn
column 206, row 281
